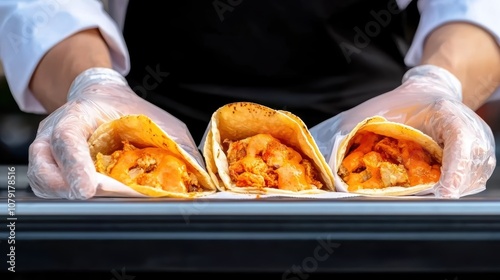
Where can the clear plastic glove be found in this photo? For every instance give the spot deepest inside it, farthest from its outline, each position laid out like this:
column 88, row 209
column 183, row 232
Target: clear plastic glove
column 429, row 99
column 60, row 165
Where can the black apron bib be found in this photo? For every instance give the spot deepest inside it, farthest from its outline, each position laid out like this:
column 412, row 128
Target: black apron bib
column 314, row 58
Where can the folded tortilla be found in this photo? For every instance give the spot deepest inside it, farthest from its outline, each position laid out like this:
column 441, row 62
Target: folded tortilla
column 384, row 158
column 138, row 153
column 251, row 148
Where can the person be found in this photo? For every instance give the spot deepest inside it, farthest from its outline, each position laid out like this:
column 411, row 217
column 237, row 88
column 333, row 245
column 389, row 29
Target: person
column 322, row 60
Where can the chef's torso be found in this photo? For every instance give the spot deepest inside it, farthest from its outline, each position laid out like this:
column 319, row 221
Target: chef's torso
column 314, row 58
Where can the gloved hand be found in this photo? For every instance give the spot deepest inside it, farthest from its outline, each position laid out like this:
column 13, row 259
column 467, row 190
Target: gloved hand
column 60, row 165
column 429, row 99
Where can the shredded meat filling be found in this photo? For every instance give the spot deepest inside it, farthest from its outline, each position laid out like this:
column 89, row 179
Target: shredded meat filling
column 153, row 167
column 263, row 161
column 375, row 161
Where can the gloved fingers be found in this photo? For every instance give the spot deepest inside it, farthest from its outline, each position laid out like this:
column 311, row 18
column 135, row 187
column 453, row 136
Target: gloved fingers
column 111, row 106
column 421, row 87
column 111, row 100
column 173, row 126
column 469, row 153
column 43, row 173
column 398, row 105
column 71, row 152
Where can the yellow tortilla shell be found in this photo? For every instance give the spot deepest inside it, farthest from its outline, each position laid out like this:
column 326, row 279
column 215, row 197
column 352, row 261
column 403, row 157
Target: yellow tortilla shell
column 380, row 125
column 239, row 120
column 142, row 132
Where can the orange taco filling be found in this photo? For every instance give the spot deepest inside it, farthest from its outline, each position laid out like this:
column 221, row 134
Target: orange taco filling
column 375, row 162
column 152, row 167
column 263, row 161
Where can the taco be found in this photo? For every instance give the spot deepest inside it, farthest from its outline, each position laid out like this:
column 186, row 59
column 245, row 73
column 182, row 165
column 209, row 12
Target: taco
column 251, row 148
column 138, row 153
column 384, row 158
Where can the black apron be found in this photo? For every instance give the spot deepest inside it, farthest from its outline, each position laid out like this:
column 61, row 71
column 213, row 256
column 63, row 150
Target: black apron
column 314, row 58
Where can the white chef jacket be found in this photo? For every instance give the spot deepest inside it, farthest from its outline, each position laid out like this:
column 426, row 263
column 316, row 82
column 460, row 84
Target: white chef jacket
column 29, row 28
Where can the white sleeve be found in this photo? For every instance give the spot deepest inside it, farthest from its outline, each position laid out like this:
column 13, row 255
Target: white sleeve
column 30, row 28
column 433, row 13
